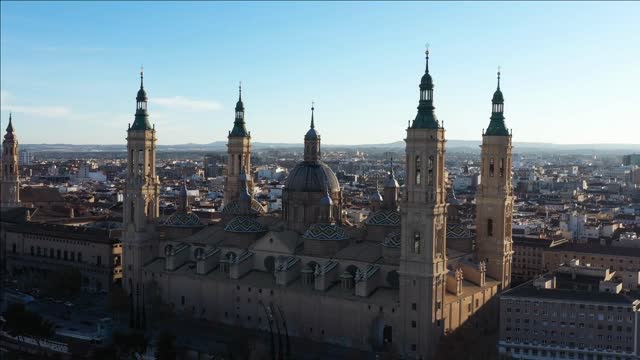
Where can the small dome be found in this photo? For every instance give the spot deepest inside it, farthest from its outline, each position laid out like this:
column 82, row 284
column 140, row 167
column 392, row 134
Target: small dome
column 234, row 207
column 142, row 95
column 182, row 219
column 325, row 232
column 497, row 97
column 426, row 79
column 376, row 196
column 312, row 176
column 312, row 134
column 392, row 240
column 384, row 217
column 326, row 200
column 245, row 224
column 391, row 182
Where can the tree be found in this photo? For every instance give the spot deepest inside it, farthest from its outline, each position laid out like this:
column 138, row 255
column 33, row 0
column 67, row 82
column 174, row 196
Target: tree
column 131, row 344
column 21, row 322
column 65, row 283
column 118, row 301
column 166, row 347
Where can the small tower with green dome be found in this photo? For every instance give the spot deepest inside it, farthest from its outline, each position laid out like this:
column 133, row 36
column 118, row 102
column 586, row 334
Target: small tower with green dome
column 426, row 117
column 497, row 126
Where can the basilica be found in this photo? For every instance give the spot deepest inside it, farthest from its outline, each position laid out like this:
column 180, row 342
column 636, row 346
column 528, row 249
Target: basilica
column 392, row 282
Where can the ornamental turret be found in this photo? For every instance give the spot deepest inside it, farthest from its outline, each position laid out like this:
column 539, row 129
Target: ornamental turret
column 497, row 126
column 312, row 141
column 426, row 117
column 391, row 188
column 10, row 186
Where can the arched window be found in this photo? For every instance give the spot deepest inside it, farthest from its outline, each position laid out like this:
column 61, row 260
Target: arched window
column 418, row 166
column 491, row 167
column 430, row 171
column 131, row 159
column 416, row 242
column 32, row 250
column 501, row 167
column 489, row 227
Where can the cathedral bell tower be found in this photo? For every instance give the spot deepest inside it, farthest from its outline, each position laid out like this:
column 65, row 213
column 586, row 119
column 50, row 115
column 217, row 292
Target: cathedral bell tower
column 494, row 201
column 239, row 154
column 141, row 202
column 10, row 186
column 423, row 258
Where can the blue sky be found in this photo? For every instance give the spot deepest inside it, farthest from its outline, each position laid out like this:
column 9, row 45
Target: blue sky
column 69, row 71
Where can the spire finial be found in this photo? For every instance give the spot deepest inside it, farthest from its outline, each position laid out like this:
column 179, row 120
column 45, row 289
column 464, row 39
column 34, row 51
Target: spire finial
column 313, row 103
column 141, row 76
column 427, row 55
column 498, row 77
column 391, row 174
column 240, row 91
column 10, row 126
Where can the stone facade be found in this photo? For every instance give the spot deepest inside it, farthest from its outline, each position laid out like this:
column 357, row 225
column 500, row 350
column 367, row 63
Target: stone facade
column 395, row 286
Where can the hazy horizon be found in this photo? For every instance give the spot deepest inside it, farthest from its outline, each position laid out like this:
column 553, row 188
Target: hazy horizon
column 70, row 70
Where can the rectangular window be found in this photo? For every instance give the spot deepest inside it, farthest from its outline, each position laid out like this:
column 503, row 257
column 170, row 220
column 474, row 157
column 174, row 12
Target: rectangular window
column 79, row 256
column 99, row 260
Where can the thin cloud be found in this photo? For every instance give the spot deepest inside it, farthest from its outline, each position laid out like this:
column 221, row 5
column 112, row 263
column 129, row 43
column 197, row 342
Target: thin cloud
column 183, row 103
column 40, row 111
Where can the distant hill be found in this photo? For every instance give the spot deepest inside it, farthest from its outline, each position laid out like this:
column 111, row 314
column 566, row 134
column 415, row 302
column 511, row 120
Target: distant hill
column 452, row 145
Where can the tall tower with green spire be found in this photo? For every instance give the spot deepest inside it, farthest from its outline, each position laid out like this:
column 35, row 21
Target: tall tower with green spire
column 239, row 154
column 423, row 257
column 494, row 200
column 141, row 198
column 10, row 186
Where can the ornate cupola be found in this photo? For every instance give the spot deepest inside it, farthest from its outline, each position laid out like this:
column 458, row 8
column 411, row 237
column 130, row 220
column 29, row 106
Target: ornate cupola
column 326, row 204
column 312, row 141
column 497, row 126
column 426, row 117
column 184, row 198
column 245, row 196
column 239, row 129
column 141, row 121
column 391, row 188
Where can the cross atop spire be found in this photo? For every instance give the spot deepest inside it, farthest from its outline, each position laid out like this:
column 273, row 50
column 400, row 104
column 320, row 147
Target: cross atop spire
column 10, row 126
column 141, row 76
column 427, row 55
column 313, row 126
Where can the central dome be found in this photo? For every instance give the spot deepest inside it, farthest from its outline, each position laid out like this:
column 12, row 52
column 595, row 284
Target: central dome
column 312, row 176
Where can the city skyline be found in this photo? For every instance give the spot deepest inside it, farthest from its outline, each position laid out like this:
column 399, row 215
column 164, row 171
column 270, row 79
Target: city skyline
column 363, row 78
